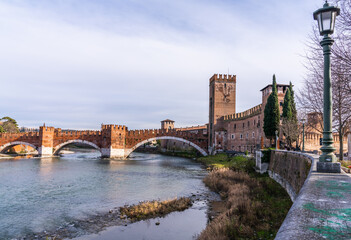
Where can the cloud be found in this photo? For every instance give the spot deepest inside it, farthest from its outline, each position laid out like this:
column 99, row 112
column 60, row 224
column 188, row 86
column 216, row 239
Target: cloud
column 77, row 64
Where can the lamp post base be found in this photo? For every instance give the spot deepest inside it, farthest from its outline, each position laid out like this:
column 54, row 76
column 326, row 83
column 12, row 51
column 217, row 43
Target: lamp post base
column 327, row 156
column 329, row 167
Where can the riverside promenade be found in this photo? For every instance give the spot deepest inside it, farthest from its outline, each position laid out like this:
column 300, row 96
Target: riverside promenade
column 322, row 209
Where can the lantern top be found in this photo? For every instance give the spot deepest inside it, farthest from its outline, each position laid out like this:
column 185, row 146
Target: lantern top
column 326, row 8
column 326, row 18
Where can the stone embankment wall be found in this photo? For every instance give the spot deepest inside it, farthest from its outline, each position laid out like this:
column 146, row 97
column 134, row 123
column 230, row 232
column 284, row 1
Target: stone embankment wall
column 290, row 169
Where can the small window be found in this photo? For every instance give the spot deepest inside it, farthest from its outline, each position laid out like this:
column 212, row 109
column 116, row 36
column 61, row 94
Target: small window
column 281, row 103
column 234, row 126
column 243, row 125
column 253, row 134
column 248, row 123
column 247, row 135
column 241, row 136
column 233, row 136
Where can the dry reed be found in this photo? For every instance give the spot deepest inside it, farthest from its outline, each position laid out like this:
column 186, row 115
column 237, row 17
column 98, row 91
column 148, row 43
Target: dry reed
column 149, row 209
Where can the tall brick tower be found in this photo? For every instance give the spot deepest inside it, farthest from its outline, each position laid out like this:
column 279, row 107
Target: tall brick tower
column 46, row 140
column 222, row 101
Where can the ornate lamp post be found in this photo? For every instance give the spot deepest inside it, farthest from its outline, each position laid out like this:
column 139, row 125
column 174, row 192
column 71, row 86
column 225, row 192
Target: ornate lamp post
column 303, row 134
column 326, row 22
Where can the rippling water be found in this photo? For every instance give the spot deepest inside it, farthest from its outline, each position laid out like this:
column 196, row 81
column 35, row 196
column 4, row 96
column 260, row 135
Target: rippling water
column 43, row 194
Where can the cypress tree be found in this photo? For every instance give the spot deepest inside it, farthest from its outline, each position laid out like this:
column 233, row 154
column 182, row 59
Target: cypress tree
column 287, row 107
column 271, row 120
column 293, row 104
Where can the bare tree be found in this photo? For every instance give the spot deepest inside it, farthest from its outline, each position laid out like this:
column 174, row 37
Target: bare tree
column 310, row 97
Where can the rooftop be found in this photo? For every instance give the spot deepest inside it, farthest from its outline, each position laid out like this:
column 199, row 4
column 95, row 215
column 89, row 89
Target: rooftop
column 278, row 85
column 167, row 120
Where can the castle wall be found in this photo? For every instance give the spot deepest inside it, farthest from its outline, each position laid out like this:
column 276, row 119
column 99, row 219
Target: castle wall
column 244, row 130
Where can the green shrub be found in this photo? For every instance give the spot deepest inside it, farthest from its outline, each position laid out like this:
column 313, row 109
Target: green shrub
column 266, row 156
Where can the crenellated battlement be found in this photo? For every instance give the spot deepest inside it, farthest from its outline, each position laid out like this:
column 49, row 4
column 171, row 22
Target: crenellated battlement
column 113, row 126
column 78, row 133
column 243, row 115
column 47, row 129
column 223, row 77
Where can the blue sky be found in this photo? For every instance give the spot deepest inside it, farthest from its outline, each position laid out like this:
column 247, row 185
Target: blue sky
column 76, row 64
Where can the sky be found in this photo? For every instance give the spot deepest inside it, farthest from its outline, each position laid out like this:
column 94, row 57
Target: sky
column 76, row 64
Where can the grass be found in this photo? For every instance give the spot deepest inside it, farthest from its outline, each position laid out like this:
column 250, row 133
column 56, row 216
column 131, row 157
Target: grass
column 185, row 154
column 238, row 163
column 150, row 209
column 345, row 163
column 256, row 205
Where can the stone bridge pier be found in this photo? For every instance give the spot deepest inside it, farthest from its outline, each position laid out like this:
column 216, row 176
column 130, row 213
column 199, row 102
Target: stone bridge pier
column 113, row 141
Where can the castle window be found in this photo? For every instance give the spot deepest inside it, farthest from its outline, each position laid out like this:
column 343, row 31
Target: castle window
column 243, row 125
column 281, row 103
column 234, row 126
column 253, row 134
column 255, row 122
column 241, row 136
column 247, row 135
column 233, row 136
column 248, row 123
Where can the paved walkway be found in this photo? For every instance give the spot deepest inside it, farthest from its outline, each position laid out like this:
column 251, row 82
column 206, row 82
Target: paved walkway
column 322, row 209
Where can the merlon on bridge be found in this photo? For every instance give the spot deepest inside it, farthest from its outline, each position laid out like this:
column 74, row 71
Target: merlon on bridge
column 113, row 141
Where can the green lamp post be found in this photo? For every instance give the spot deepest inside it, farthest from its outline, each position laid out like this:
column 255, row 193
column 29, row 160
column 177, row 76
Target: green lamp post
column 326, row 22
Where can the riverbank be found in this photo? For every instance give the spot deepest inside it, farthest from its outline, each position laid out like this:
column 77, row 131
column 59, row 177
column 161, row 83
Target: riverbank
column 255, row 205
column 174, row 153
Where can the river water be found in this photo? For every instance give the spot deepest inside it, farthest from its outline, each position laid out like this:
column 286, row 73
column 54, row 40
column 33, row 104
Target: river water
column 43, row 194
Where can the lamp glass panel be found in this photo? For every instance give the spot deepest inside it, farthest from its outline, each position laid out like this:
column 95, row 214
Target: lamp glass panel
column 326, row 20
column 319, row 18
column 333, row 21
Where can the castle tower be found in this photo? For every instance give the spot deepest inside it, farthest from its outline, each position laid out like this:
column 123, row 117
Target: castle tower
column 222, row 101
column 167, row 124
column 266, row 91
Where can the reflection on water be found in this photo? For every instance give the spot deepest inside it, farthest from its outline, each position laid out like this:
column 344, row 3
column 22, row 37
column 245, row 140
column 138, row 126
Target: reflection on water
column 42, row 194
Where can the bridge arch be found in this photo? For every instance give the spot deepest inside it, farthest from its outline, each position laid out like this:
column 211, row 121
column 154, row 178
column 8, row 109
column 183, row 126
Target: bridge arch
column 202, row 151
column 15, row 143
column 57, row 148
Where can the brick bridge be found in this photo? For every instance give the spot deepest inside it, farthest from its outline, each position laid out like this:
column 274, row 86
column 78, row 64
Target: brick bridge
column 113, row 141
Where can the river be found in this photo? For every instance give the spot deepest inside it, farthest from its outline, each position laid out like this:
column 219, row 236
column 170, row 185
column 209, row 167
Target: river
column 45, row 194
